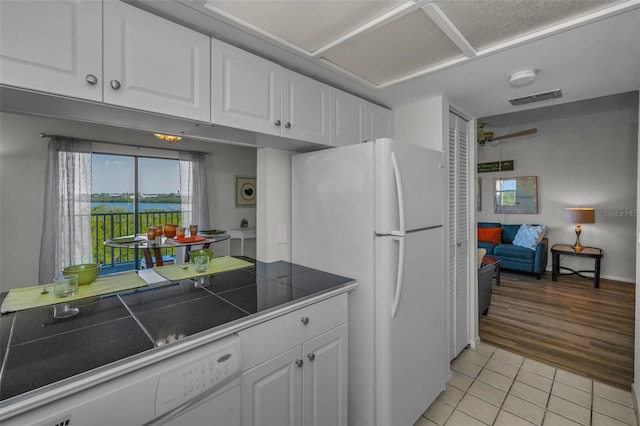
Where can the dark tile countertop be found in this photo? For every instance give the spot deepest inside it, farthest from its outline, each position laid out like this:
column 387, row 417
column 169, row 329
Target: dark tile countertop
column 37, row 350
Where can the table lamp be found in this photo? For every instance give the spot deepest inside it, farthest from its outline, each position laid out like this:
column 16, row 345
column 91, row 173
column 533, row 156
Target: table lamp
column 579, row 215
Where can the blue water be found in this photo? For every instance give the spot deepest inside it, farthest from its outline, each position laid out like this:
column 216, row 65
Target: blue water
column 165, row 207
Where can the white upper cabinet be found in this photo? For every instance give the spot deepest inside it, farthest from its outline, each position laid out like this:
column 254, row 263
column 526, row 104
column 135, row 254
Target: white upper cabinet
column 354, row 120
column 52, row 46
column 246, row 90
column 149, row 63
column 305, row 108
column 379, row 122
column 251, row 93
column 155, row 65
column 348, row 118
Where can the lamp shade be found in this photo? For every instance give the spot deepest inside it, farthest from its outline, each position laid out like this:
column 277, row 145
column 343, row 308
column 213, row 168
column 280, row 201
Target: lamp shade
column 579, row 215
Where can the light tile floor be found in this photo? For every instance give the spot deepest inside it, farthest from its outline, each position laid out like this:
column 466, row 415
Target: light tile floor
column 494, row 387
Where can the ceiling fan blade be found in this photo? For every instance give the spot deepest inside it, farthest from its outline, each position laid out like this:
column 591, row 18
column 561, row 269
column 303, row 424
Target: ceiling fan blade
column 513, row 135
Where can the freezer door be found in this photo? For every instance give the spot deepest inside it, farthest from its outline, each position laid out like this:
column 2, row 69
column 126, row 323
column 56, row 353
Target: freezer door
column 411, row 347
column 409, row 185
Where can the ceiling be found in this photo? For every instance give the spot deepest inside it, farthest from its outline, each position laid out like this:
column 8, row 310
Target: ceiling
column 394, row 52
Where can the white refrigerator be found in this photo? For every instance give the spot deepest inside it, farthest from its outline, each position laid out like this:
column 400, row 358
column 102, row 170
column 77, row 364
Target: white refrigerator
column 375, row 212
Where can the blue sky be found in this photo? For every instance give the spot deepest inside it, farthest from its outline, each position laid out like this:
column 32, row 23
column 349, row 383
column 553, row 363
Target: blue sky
column 115, row 174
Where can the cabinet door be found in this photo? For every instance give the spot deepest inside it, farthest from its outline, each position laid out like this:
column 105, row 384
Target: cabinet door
column 155, row 65
column 348, row 116
column 52, row 46
column 324, row 380
column 305, row 108
column 379, row 122
column 246, row 90
column 272, row 392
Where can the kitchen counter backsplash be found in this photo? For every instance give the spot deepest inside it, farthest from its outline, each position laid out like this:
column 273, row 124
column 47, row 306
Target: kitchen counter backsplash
column 37, row 350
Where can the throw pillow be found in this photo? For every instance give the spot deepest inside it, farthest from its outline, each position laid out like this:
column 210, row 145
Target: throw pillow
column 489, row 235
column 481, row 253
column 529, row 236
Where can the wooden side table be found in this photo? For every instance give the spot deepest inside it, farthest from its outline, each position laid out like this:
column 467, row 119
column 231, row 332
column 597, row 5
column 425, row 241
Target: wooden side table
column 564, row 249
column 496, row 264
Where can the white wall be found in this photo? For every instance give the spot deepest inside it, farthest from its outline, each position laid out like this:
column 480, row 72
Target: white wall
column 424, row 123
column 636, row 381
column 22, row 171
column 274, row 204
column 584, row 154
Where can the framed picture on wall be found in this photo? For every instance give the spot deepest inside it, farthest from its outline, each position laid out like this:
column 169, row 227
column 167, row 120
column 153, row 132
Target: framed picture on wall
column 478, row 195
column 516, row 195
column 245, row 191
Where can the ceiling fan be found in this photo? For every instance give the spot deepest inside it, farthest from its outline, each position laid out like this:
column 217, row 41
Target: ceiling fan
column 485, row 136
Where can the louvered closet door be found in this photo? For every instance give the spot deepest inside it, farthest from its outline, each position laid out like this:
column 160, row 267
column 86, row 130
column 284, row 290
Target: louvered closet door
column 458, row 221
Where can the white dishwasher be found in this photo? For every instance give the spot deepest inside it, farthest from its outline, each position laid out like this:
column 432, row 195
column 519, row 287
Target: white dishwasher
column 194, row 388
column 202, row 392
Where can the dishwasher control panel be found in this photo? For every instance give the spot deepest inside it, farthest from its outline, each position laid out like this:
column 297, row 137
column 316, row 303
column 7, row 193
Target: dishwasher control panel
column 198, row 377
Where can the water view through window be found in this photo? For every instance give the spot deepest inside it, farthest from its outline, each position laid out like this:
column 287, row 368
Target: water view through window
column 129, row 194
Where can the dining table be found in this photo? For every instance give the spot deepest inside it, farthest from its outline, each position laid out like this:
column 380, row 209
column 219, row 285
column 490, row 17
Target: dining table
column 152, row 249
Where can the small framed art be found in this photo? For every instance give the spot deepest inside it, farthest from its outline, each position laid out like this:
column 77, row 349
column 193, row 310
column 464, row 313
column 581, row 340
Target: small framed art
column 245, row 191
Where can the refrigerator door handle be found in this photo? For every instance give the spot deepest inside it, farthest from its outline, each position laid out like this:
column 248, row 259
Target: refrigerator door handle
column 398, row 178
column 399, row 277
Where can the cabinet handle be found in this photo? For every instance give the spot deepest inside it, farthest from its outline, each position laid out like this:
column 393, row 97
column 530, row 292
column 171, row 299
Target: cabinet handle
column 115, row 84
column 287, row 125
column 305, row 320
column 91, row 79
column 277, row 123
column 311, row 357
column 299, row 362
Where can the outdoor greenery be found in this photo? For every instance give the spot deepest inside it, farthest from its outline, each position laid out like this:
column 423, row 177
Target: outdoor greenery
column 128, row 197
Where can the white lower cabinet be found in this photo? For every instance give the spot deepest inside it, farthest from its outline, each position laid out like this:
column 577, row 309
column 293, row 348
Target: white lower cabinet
column 271, row 392
column 303, row 384
column 324, row 379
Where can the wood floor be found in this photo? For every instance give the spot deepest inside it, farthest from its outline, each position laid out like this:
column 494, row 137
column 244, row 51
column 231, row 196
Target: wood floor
column 567, row 324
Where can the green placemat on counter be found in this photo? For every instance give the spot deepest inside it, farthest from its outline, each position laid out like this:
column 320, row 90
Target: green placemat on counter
column 20, row 299
column 217, row 264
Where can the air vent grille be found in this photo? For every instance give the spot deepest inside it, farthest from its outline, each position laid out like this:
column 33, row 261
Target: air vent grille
column 554, row 94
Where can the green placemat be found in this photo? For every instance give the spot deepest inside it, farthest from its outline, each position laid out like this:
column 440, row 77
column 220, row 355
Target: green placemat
column 217, row 264
column 20, row 299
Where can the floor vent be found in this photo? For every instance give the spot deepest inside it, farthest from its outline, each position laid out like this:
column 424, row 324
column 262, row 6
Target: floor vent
column 554, row 94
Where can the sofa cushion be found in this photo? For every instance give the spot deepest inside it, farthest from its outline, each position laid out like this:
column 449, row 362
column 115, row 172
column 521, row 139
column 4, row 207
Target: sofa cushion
column 489, row 235
column 529, row 236
column 509, row 233
column 514, row 252
column 489, row 247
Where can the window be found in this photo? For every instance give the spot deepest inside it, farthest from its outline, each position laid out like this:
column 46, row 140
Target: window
column 72, row 234
column 129, row 194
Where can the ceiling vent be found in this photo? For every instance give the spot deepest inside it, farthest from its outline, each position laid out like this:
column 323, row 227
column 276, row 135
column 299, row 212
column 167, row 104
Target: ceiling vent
column 554, row 94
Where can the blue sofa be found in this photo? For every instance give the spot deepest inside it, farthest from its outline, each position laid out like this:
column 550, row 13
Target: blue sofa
column 516, row 257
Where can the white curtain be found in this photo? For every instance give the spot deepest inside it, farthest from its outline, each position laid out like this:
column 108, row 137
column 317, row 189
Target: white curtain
column 193, row 189
column 66, row 229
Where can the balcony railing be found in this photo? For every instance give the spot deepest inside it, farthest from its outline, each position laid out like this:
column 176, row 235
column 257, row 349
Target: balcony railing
column 105, row 226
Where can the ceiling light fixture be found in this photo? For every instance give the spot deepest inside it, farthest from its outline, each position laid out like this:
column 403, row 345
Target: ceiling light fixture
column 168, row 138
column 522, row 78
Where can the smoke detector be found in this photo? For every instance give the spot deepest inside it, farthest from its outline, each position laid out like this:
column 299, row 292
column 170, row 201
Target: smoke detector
column 522, row 78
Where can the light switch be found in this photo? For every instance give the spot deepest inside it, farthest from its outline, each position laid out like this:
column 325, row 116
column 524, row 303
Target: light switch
column 282, row 234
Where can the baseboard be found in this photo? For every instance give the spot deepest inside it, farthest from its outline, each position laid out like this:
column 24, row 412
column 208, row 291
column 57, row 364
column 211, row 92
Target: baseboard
column 636, row 398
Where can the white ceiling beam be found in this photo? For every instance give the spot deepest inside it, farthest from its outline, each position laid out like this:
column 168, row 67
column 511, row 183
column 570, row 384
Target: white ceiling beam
column 441, row 20
column 390, row 16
